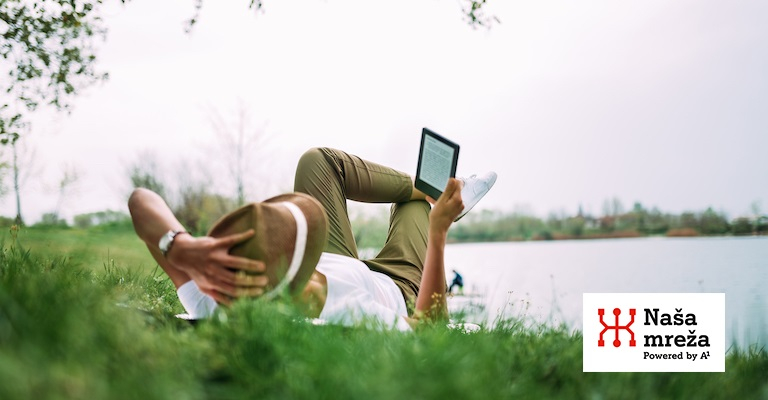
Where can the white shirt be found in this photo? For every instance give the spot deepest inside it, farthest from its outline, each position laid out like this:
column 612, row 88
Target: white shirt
column 357, row 295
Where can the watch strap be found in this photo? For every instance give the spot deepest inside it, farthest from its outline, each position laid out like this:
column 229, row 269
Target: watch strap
column 166, row 242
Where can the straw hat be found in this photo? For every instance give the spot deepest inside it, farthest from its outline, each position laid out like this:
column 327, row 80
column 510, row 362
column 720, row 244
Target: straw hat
column 291, row 233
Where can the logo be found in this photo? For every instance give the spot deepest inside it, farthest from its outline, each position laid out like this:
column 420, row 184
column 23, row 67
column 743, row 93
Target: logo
column 616, row 327
column 654, row 332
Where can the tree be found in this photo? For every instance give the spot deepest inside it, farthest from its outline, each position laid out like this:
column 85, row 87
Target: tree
column 713, row 223
column 196, row 205
column 145, row 173
column 48, row 54
column 52, row 220
column 755, row 207
column 656, row 222
column 473, row 11
column 16, row 184
column 575, row 225
column 23, row 165
column 475, row 15
column 88, row 220
column 244, row 150
column 741, row 226
column 190, row 194
column 67, row 185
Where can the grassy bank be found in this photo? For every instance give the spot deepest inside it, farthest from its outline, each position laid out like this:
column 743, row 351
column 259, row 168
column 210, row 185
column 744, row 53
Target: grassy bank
column 72, row 330
column 88, row 248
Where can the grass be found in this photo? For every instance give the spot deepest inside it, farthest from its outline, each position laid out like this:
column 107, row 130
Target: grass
column 71, row 330
column 88, row 248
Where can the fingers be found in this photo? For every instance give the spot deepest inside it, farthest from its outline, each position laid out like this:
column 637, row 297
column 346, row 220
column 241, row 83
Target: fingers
column 451, row 188
column 451, row 197
column 229, row 282
column 243, row 264
column 235, row 238
column 245, row 280
column 448, row 206
column 240, row 263
column 218, row 279
column 245, row 286
column 223, row 275
column 220, row 298
column 454, row 187
column 227, row 298
column 250, row 292
column 228, row 289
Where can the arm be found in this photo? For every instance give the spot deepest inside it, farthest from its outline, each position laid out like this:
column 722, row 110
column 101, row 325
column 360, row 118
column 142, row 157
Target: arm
column 206, row 260
column 430, row 303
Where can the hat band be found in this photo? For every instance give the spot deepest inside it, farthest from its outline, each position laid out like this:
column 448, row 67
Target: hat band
column 298, row 250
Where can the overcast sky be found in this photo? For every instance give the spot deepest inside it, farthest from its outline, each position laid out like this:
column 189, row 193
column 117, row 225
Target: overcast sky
column 571, row 102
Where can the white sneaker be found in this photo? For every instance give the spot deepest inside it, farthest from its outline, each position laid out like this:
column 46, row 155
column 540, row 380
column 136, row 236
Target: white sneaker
column 474, row 189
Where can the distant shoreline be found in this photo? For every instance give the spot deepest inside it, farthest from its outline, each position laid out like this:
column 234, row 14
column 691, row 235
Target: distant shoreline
column 603, row 236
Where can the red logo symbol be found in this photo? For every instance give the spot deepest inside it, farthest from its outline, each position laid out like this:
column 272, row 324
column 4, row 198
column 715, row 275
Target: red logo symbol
column 616, row 327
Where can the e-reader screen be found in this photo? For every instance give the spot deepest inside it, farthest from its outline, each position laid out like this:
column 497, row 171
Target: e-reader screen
column 438, row 158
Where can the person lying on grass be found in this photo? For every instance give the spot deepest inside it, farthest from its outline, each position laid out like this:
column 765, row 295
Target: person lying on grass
column 302, row 244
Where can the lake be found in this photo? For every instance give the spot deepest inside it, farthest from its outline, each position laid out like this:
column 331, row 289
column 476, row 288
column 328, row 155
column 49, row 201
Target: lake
column 544, row 281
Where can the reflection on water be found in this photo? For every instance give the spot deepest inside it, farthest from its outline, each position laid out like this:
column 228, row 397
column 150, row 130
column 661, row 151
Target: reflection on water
column 545, row 280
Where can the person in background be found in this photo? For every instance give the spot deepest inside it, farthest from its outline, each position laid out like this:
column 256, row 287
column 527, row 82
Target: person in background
column 458, row 280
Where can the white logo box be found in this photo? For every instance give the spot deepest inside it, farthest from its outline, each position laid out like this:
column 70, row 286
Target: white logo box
column 673, row 332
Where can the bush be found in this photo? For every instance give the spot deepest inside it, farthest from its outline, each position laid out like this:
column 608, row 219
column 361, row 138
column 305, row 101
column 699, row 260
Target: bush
column 742, row 226
column 712, row 223
column 6, row 222
column 198, row 209
column 88, row 220
column 682, row 232
column 762, row 225
column 52, row 220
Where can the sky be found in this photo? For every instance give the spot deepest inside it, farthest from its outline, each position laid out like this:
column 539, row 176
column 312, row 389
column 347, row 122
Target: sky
column 570, row 102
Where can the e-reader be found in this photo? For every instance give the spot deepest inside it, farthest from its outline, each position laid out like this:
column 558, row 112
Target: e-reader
column 438, row 158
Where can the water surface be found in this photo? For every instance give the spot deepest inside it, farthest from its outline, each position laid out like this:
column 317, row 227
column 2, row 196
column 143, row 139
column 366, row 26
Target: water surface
column 545, row 280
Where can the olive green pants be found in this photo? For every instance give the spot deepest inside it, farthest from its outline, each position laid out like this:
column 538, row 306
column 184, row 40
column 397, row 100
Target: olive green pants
column 333, row 176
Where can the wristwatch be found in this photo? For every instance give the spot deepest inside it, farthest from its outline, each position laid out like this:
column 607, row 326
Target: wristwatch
column 167, row 241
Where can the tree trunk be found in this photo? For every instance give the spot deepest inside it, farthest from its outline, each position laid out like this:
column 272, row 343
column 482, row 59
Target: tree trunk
column 19, row 219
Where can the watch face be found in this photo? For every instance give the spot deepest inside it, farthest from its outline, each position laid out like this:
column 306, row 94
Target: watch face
column 166, row 240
